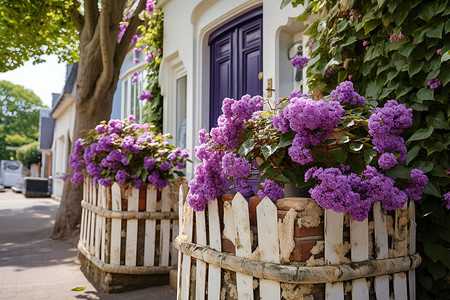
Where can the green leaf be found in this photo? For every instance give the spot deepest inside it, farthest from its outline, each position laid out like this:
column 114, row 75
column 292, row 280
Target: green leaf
column 425, row 94
column 268, row 150
column 444, row 75
column 430, row 189
column 433, row 146
column 435, row 32
column 284, row 3
column 447, row 26
column 434, row 251
column 339, row 155
column 78, row 288
column 246, row 147
column 369, row 155
column 427, row 12
column 445, row 56
column 371, row 25
column 356, row 146
column 414, row 67
column 406, row 49
column 290, row 174
column 351, row 39
column 344, row 139
column 437, row 120
column 373, row 90
column 437, row 270
column 399, row 172
column 342, row 25
column 129, row 157
column 412, row 153
column 392, row 74
column 264, row 165
column 425, row 166
column 286, row 139
column 282, row 178
column 421, row 134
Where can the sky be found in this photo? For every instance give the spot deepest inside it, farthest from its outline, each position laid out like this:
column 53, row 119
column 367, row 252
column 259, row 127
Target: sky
column 43, row 79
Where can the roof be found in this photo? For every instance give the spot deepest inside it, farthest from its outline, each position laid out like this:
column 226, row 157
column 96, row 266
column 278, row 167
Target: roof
column 71, row 79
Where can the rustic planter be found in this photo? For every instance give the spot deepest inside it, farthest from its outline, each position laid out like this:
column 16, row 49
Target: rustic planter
column 126, row 235
column 295, row 250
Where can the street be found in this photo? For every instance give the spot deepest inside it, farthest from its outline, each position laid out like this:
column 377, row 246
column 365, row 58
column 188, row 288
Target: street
column 33, row 266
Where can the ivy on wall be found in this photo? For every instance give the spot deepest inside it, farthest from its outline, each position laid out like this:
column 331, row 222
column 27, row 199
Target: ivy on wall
column 398, row 50
column 151, row 42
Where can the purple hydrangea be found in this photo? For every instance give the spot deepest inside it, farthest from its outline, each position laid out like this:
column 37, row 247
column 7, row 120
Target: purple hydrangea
column 104, row 143
column 105, row 182
column 416, row 184
column 115, row 126
column 236, row 167
column 93, row 169
column 344, row 93
column 299, row 94
column 148, row 57
column 149, row 162
column 77, row 178
column 387, row 160
column 299, row 62
column 121, row 176
column 271, row 190
column 244, row 188
column 101, row 129
column 165, row 165
column 128, row 144
column 385, row 126
column 155, row 179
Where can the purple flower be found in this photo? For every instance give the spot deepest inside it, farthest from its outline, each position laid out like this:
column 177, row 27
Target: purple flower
column 149, row 162
column 365, row 43
column 417, row 184
column 93, row 169
column 156, row 180
column 387, row 160
column 244, row 188
column 136, row 76
column 299, row 94
column 150, row 5
column 438, row 51
column 105, row 182
column 128, row 144
column 101, row 129
column 148, row 57
column 165, row 166
column 329, row 72
column 134, row 39
column 236, row 167
column 64, row 177
column 344, row 93
column 136, row 60
column 299, row 62
column 310, row 44
column 132, row 118
column 271, row 190
column 77, row 178
column 121, row 176
column 146, row 95
column 434, row 83
column 122, row 28
column 447, row 199
column 181, row 166
column 115, row 126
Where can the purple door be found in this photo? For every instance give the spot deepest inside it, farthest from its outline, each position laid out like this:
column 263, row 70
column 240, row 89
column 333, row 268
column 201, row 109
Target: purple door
column 236, row 61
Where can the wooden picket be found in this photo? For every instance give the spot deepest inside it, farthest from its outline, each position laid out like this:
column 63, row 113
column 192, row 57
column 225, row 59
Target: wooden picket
column 372, row 256
column 115, row 247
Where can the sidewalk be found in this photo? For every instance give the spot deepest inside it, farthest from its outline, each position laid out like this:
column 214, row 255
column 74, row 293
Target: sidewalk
column 32, row 266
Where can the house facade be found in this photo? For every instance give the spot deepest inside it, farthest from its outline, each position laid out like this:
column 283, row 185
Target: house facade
column 63, row 112
column 216, row 49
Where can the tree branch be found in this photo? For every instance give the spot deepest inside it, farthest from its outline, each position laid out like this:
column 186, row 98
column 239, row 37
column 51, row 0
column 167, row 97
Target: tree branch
column 91, row 14
column 77, row 18
column 123, row 46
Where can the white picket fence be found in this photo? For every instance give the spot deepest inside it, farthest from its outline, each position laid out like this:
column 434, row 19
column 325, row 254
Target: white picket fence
column 118, row 238
column 380, row 262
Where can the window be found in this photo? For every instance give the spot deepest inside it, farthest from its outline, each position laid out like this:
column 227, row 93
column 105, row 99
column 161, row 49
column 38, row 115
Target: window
column 131, row 91
column 180, row 138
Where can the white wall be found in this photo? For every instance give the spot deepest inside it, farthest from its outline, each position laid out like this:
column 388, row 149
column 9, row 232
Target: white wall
column 62, row 138
column 187, row 26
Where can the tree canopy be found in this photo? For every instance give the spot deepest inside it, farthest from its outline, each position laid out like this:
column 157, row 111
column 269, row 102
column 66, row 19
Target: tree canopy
column 19, row 117
column 32, row 28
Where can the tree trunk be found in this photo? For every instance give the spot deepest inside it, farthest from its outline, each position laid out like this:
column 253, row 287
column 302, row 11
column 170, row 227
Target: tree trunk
column 101, row 58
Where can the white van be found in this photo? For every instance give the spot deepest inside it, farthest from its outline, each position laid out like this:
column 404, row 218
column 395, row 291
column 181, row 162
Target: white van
column 10, row 172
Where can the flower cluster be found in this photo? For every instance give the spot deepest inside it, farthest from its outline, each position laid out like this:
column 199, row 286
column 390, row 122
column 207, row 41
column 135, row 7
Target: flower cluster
column 434, row 83
column 396, row 38
column 385, row 126
column 333, row 148
column 355, row 194
column 126, row 152
column 344, row 93
column 313, row 121
column 218, row 163
column 299, row 62
column 146, row 95
column 447, row 199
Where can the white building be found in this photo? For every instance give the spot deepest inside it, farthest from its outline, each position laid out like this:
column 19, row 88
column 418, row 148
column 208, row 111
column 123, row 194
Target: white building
column 63, row 112
column 224, row 48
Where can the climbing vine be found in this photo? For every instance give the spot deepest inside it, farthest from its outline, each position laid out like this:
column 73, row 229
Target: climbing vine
column 396, row 50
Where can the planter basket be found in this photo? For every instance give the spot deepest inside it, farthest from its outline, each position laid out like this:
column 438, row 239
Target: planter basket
column 295, row 251
column 126, row 235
